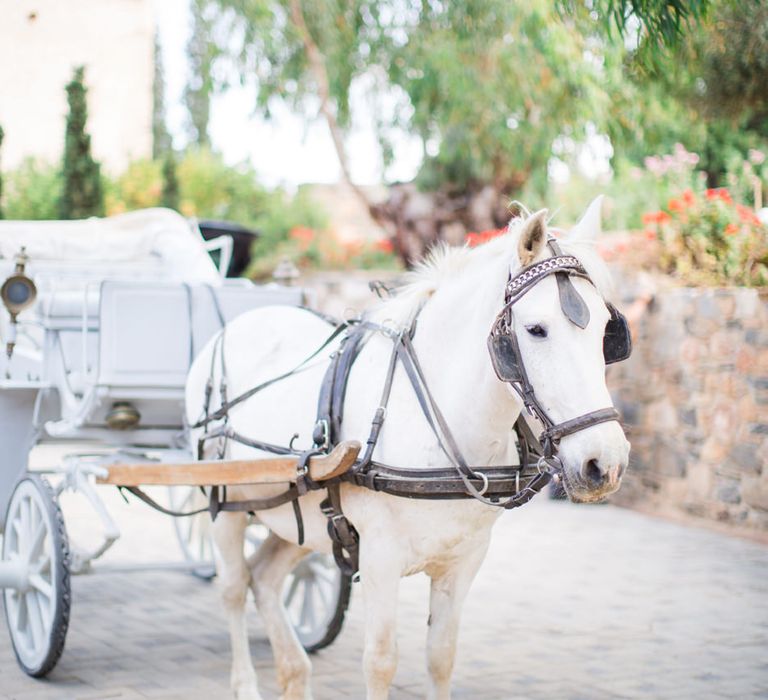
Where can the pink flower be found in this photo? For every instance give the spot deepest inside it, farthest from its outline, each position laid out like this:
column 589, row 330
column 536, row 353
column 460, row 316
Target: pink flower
column 756, row 157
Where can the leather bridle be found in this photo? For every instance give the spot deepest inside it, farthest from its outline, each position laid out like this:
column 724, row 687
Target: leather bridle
column 507, row 359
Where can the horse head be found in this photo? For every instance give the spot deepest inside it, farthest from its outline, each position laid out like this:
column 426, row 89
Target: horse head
column 552, row 342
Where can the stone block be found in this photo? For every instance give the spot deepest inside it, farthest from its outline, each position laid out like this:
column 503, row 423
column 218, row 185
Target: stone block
column 699, row 480
column 727, row 490
column 714, row 450
column 687, row 416
column 744, row 457
column 754, row 491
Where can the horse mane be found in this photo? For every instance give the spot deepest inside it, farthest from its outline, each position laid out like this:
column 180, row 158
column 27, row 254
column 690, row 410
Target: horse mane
column 448, row 264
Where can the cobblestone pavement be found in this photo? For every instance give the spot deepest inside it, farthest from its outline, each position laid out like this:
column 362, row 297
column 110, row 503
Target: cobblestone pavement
column 573, row 602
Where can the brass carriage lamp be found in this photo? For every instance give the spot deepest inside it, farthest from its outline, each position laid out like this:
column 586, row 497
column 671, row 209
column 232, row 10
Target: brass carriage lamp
column 18, row 293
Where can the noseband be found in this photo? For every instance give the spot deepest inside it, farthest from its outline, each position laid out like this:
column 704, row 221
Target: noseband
column 505, row 349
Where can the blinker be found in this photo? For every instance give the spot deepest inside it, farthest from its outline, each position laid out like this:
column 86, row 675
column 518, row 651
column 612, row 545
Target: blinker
column 504, row 357
column 617, row 342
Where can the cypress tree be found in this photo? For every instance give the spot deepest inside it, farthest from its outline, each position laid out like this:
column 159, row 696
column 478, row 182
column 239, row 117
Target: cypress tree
column 201, row 53
column 2, row 134
column 161, row 139
column 170, row 194
column 82, row 194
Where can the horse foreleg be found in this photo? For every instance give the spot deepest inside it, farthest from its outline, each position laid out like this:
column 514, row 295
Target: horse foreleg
column 380, row 576
column 269, row 566
column 448, row 591
column 228, row 534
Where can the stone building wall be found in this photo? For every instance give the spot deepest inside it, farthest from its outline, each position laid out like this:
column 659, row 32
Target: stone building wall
column 41, row 42
column 694, row 397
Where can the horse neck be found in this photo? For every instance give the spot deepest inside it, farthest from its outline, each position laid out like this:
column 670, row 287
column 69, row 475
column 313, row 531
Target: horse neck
column 451, row 343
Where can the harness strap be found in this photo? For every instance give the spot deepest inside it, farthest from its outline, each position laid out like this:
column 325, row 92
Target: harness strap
column 224, row 409
column 344, row 536
column 142, row 496
column 380, row 414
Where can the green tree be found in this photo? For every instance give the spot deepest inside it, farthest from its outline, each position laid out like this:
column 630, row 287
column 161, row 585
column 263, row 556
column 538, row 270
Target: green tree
column 707, row 92
column 161, row 139
column 488, row 85
column 170, row 193
column 659, row 22
column 201, row 54
column 81, row 194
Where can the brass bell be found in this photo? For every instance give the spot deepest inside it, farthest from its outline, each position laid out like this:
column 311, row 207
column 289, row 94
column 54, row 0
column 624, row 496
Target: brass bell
column 123, row 416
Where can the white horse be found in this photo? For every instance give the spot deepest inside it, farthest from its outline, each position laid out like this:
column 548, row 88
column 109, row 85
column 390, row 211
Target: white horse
column 457, row 295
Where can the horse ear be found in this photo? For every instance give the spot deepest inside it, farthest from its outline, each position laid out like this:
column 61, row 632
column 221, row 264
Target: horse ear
column 590, row 225
column 533, row 237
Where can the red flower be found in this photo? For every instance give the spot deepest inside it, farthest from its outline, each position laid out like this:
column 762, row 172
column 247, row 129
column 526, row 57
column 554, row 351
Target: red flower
column 731, row 230
column 689, row 198
column 384, row 246
column 650, row 234
column 650, row 218
column 662, row 217
column 675, row 205
column 747, row 215
column 719, row 193
column 474, row 239
column 302, row 234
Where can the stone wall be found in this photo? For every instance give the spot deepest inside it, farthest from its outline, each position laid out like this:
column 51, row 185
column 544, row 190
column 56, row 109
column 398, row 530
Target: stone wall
column 694, row 397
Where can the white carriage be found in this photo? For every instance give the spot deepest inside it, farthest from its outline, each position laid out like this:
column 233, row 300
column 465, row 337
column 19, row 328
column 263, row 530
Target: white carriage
column 105, row 317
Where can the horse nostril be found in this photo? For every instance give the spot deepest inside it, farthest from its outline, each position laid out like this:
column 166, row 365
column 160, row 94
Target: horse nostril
column 593, row 474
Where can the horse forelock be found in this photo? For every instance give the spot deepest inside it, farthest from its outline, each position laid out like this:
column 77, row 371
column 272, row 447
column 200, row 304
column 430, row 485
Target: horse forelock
column 486, row 264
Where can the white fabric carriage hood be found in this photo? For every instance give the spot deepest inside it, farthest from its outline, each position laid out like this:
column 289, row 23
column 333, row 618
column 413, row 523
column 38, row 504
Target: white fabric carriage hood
column 158, row 242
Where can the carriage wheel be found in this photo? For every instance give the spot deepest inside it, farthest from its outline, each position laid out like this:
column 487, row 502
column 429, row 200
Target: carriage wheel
column 316, row 596
column 193, row 533
column 37, row 611
column 316, row 593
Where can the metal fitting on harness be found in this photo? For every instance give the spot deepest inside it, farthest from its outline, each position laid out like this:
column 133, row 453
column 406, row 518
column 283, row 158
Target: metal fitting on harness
column 321, row 435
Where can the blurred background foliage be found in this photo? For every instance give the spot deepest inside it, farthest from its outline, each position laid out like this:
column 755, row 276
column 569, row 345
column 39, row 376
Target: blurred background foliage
column 510, row 98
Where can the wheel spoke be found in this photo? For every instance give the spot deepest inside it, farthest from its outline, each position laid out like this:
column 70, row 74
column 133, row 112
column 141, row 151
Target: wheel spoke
column 40, row 584
column 288, row 598
column 42, row 565
column 24, row 528
column 36, row 629
column 324, row 593
column 307, row 607
column 37, row 540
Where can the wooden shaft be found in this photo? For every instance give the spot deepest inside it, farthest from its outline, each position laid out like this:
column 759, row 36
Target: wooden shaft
column 271, row 470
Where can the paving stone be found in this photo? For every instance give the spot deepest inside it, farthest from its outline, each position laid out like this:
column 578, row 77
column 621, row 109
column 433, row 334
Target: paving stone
column 573, row 602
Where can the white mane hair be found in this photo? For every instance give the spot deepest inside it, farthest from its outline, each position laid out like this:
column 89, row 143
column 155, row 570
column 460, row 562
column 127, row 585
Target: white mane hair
column 445, row 263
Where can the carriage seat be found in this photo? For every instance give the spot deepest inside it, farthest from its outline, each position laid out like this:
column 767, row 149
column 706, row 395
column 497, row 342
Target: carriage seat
column 146, row 336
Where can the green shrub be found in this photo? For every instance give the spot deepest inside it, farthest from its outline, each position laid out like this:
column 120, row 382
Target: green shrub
column 705, row 238
column 32, row 191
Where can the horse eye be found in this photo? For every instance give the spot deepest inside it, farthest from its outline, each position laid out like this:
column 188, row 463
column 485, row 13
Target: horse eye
column 537, row 330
